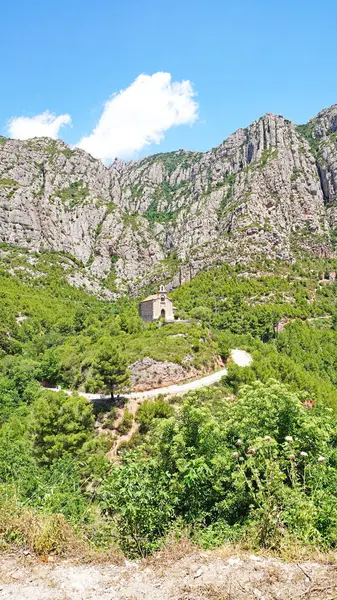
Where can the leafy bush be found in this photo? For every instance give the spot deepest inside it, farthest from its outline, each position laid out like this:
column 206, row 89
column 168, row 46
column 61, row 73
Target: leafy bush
column 138, row 499
column 253, row 469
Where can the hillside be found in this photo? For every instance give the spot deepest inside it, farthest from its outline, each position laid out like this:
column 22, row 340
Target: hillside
column 245, row 236
column 268, row 190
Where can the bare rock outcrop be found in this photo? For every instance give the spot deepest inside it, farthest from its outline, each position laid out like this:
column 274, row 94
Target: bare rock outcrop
column 147, row 374
column 268, row 190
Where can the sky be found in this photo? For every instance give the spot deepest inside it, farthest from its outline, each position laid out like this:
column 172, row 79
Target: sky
column 138, row 77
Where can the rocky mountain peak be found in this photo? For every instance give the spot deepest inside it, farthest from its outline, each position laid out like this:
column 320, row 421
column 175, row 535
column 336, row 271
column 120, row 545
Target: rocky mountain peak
column 324, row 123
column 267, row 190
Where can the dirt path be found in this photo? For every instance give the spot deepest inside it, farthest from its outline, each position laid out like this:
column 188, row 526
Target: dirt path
column 169, row 390
column 136, row 398
column 193, row 576
column 132, row 405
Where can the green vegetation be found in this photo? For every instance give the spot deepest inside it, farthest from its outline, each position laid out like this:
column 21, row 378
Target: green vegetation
column 261, row 470
column 251, row 460
column 49, row 146
column 173, row 160
column 60, row 426
column 109, row 369
column 266, row 155
column 152, row 213
column 8, row 183
column 74, row 195
column 67, row 152
column 307, row 131
column 126, row 423
column 164, row 195
column 229, row 182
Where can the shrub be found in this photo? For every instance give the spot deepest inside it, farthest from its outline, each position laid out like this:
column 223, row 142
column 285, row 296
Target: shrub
column 126, row 422
column 150, row 410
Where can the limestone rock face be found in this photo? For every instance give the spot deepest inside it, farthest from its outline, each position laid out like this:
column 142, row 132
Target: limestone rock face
column 147, row 374
column 324, row 132
column 265, row 191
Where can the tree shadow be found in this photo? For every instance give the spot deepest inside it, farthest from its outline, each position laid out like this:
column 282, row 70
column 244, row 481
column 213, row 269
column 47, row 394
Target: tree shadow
column 103, row 405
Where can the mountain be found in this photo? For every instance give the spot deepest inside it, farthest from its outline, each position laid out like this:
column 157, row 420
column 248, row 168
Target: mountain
column 268, row 190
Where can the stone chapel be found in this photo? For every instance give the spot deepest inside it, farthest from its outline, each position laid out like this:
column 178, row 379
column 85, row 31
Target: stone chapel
column 157, row 306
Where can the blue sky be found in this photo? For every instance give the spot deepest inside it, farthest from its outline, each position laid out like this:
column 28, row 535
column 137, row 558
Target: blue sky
column 243, row 58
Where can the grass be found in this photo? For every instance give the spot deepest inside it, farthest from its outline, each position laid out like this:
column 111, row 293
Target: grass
column 6, row 182
column 40, row 533
column 49, row 534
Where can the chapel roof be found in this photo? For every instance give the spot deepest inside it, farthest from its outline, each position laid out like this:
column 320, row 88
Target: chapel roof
column 154, row 297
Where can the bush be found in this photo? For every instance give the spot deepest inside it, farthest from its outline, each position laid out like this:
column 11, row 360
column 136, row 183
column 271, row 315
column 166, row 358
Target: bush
column 254, row 469
column 138, row 498
column 126, row 422
column 150, row 410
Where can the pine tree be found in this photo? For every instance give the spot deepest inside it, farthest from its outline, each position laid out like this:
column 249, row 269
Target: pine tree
column 110, row 369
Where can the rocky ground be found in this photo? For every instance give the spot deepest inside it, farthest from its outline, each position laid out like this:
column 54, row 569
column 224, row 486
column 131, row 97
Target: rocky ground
column 196, row 575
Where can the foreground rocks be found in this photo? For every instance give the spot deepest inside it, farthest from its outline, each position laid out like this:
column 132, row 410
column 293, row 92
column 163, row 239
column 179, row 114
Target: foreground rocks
column 195, row 576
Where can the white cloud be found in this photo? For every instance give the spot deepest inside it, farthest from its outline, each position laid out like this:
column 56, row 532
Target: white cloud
column 47, row 124
column 140, row 115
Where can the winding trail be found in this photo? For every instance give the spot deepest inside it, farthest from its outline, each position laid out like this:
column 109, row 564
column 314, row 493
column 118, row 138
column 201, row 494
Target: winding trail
column 169, row 390
column 135, row 399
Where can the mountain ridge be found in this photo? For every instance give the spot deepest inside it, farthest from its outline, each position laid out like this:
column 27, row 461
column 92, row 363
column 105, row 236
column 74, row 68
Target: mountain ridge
column 268, row 190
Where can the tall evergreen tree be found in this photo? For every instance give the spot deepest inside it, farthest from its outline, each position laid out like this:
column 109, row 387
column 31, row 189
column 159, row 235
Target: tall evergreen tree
column 110, row 369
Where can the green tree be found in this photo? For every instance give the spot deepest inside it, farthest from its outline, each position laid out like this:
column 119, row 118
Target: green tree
column 202, row 313
column 60, row 425
column 109, row 370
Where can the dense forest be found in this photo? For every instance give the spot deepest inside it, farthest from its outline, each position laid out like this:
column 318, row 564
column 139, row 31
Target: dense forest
column 251, row 460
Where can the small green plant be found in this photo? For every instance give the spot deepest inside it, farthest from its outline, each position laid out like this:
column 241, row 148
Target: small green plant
column 109, row 419
column 6, row 182
column 126, row 422
column 267, row 154
column 74, row 195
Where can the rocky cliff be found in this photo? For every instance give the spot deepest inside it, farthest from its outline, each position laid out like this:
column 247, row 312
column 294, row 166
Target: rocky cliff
column 269, row 189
